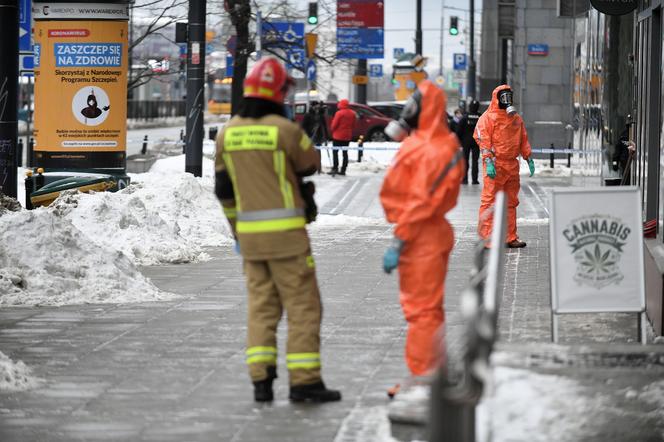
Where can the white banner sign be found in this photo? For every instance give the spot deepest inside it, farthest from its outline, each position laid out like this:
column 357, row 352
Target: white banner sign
column 597, row 250
column 75, row 11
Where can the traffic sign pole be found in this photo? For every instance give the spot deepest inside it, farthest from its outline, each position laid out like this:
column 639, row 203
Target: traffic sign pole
column 9, row 36
column 361, row 89
column 195, row 88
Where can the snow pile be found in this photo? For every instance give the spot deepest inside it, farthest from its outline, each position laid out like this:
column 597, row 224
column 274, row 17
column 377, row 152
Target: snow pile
column 46, row 260
column 163, row 217
column 8, row 204
column 527, row 406
column 123, row 222
column 186, row 201
column 654, row 394
column 15, row 376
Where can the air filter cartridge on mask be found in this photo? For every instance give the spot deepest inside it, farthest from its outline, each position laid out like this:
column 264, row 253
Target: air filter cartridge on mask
column 399, row 129
column 511, row 110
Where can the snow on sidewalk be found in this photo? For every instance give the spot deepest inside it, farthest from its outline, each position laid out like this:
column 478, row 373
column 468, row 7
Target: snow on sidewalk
column 46, row 260
column 15, row 376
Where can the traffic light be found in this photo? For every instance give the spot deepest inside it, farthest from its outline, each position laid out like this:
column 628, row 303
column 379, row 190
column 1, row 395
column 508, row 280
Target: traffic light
column 313, row 13
column 454, row 25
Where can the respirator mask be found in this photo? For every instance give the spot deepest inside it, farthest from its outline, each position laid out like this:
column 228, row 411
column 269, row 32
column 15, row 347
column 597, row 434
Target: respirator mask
column 399, row 129
column 505, row 101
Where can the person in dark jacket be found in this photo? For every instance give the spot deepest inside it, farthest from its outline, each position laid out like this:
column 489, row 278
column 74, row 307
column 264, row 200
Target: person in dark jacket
column 624, row 149
column 314, row 124
column 465, row 129
column 342, row 127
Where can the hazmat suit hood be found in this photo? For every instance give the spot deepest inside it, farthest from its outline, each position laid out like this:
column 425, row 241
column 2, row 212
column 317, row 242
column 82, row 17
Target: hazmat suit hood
column 432, row 121
column 495, row 106
column 343, row 104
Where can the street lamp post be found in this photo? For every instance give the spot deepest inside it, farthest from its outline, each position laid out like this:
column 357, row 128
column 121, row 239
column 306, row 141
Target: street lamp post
column 471, row 60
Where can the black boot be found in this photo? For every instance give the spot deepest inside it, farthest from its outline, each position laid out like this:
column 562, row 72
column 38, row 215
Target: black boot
column 263, row 389
column 313, row 393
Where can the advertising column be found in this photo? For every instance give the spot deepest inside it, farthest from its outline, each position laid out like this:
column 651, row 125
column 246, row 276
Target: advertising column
column 80, row 85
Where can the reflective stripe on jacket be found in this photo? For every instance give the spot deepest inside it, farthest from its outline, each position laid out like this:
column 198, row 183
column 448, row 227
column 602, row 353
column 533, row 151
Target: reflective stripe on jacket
column 265, row 158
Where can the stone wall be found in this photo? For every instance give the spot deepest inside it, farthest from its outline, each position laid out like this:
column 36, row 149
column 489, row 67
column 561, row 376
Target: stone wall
column 542, row 83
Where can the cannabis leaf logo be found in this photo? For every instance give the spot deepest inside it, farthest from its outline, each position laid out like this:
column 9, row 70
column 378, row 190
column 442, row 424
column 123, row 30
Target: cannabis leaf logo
column 597, row 262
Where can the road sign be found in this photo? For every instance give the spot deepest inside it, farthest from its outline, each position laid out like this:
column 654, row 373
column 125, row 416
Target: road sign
column 538, row 49
column 460, row 62
column 288, row 36
column 398, row 52
column 26, row 64
column 460, row 75
column 25, row 26
column 360, row 29
column 311, row 71
column 282, row 34
column 360, row 79
column 229, row 65
column 310, row 41
column 296, row 58
column 376, row 70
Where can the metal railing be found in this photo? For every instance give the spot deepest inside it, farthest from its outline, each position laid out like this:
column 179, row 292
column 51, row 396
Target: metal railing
column 152, row 110
column 464, row 371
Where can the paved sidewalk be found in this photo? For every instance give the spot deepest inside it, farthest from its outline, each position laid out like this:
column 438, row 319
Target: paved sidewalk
column 172, row 371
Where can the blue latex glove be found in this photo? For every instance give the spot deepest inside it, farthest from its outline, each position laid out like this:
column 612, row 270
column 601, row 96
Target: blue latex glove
column 531, row 166
column 236, row 247
column 490, row 169
column 392, row 254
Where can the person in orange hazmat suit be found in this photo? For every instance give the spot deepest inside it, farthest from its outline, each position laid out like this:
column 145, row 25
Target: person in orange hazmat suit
column 501, row 135
column 420, row 187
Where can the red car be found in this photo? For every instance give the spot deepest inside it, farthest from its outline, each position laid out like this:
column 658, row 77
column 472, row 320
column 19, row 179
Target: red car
column 370, row 122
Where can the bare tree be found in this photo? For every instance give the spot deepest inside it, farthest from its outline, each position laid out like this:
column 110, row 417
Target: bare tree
column 150, row 19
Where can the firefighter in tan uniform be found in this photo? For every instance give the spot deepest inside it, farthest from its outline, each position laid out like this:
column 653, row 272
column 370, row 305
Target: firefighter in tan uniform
column 261, row 159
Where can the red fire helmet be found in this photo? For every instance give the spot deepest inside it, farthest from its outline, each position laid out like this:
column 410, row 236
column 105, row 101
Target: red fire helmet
column 268, row 80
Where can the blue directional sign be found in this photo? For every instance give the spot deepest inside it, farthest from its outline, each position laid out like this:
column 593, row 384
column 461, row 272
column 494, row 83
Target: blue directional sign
column 360, row 26
column 25, row 26
column 398, row 52
column 311, row 71
column 460, row 62
column 229, row 65
column 376, row 70
column 360, row 43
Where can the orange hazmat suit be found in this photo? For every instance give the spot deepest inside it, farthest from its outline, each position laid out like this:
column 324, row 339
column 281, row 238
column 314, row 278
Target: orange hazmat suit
column 420, row 187
column 502, row 138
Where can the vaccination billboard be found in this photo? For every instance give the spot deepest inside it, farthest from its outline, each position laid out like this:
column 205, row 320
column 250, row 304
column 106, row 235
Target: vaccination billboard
column 80, row 93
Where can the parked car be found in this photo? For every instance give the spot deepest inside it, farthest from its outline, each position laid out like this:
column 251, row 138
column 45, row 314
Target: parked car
column 370, row 122
column 390, row 109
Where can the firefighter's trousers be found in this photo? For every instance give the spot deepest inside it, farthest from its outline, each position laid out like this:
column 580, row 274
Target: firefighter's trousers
column 284, row 284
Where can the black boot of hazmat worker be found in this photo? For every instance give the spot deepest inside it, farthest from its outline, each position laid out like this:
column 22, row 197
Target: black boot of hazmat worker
column 313, row 393
column 263, row 389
